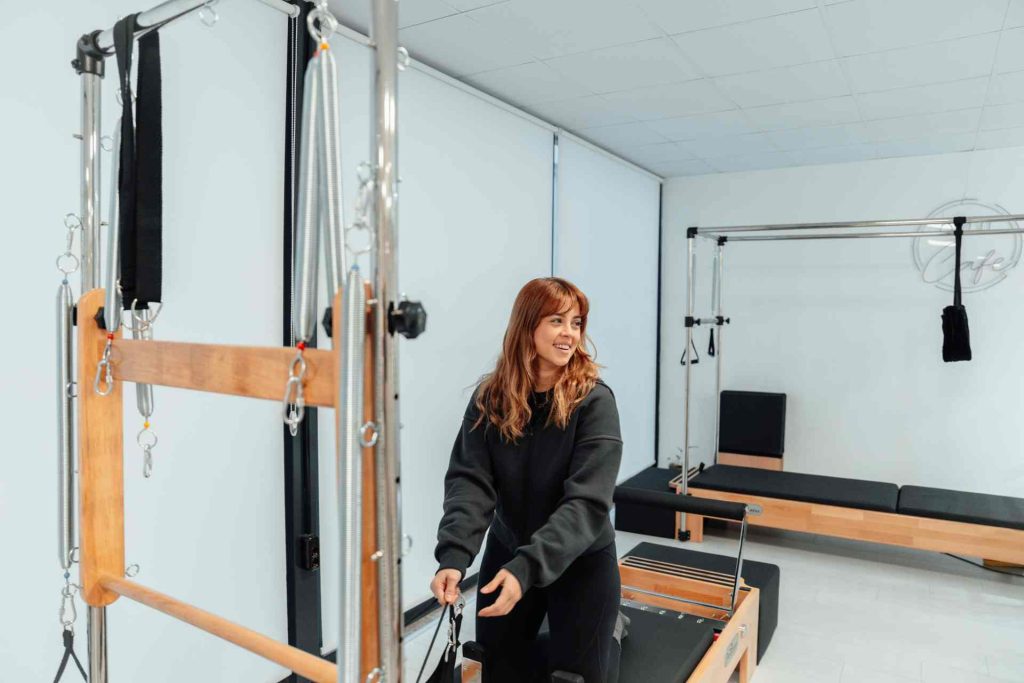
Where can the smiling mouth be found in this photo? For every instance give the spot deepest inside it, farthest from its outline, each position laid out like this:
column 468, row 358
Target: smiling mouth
column 564, row 347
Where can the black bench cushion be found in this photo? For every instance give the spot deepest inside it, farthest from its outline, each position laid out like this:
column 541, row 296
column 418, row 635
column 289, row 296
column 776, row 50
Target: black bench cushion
column 647, row 519
column 809, row 488
column 662, row 648
column 961, row 506
column 761, row 575
column 752, row 423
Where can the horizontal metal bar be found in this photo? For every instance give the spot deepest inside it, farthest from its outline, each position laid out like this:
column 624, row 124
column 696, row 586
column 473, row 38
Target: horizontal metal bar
column 252, row 371
column 169, row 11
column 294, row 659
column 676, row 598
column 866, row 235
column 907, row 222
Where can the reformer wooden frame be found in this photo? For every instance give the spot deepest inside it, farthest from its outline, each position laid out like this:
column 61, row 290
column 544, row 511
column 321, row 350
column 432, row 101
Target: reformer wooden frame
column 254, row 372
column 909, row 531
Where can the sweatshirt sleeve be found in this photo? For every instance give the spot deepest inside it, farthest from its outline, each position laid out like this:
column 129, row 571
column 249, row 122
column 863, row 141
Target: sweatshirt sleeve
column 469, row 496
column 583, row 510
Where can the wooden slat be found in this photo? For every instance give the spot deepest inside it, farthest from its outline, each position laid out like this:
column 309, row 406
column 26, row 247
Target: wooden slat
column 761, row 462
column 302, row 663
column 716, row 666
column 675, row 586
column 101, row 462
column 922, row 533
column 253, row 371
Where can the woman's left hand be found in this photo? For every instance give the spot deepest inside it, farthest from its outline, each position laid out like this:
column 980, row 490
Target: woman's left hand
column 511, row 592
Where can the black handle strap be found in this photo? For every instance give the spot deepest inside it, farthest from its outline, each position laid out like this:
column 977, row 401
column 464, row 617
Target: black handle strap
column 711, row 343
column 958, row 233
column 692, row 361
column 140, row 181
column 69, row 653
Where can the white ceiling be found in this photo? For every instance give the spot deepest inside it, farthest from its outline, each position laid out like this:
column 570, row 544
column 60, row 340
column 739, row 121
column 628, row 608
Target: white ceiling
column 685, row 87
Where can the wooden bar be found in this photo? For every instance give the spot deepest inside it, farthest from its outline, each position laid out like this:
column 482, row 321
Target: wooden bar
column 253, row 371
column 761, row 462
column 692, row 589
column 294, row 659
column 736, row 647
column 101, row 462
column 922, row 533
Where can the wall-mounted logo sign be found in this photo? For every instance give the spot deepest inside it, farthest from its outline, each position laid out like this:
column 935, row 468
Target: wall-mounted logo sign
column 986, row 259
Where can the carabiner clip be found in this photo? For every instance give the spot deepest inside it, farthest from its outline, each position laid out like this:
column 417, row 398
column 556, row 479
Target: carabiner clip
column 104, row 375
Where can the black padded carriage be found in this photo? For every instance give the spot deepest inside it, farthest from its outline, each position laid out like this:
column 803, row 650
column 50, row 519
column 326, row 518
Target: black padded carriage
column 961, row 506
column 808, row 488
column 661, row 648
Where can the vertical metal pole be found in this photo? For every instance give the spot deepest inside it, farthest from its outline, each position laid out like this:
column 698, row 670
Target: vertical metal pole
column 384, row 34
column 720, row 327
column 691, row 237
column 97, row 625
column 91, row 90
column 739, row 564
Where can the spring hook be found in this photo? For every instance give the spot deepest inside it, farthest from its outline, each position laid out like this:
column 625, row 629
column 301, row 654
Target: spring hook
column 147, row 440
column 294, row 400
column 104, row 374
column 68, row 611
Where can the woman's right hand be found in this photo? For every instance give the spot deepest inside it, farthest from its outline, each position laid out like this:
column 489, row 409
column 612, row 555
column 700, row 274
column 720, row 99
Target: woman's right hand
column 445, row 586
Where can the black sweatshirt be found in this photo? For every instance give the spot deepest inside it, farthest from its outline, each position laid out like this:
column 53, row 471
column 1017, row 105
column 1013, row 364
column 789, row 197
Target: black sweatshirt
column 545, row 497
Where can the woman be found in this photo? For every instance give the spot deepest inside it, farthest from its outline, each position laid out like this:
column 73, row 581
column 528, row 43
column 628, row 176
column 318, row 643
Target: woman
column 536, row 460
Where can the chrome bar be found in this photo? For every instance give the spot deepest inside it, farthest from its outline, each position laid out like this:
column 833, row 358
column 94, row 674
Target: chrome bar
column 65, row 425
column 97, row 644
column 739, row 564
column 112, row 301
column 676, row 598
column 690, row 268
column 867, row 235
column 717, row 304
column 944, row 220
column 384, row 34
column 90, row 194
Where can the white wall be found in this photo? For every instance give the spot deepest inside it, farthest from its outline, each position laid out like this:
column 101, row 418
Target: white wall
column 848, row 329
column 208, row 527
column 606, row 241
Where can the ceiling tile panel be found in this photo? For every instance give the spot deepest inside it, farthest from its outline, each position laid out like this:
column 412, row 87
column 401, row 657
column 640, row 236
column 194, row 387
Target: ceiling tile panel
column 815, row 81
column 581, row 112
column 784, row 40
column 993, row 139
column 833, row 155
column 682, row 167
column 458, row 45
column 820, row 136
column 876, row 25
column 622, row 135
column 719, row 124
column 751, row 162
column 949, row 60
column 666, row 101
column 527, row 84
column 924, row 99
column 466, row 5
column 1006, row 88
column 662, row 151
column 549, row 29
column 833, row 111
column 1015, row 14
column 1011, row 51
column 674, row 16
column 1003, row 116
column 410, row 12
column 733, row 145
column 925, row 125
column 623, row 67
column 941, row 144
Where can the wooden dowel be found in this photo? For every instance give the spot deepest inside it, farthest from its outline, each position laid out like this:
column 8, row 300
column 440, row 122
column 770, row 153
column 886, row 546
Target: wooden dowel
column 253, row 371
column 101, row 461
column 302, row 663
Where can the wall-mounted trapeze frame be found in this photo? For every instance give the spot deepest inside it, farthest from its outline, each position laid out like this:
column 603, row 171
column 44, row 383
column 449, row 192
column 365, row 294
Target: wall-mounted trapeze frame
column 803, row 231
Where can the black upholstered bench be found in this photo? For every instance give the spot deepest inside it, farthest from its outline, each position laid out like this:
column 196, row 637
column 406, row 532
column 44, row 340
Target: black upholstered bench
column 647, row 519
column 975, row 524
column 651, row 635
column 761, row 575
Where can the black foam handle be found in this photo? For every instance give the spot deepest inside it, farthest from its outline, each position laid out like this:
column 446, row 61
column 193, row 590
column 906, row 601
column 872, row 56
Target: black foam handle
column 671, row 501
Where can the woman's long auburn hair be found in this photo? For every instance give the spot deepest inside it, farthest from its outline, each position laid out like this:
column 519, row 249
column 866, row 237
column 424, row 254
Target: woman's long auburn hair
column 503, row 396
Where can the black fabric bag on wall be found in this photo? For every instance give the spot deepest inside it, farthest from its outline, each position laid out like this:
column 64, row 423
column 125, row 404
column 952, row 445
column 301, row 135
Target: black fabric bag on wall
column 956, row 335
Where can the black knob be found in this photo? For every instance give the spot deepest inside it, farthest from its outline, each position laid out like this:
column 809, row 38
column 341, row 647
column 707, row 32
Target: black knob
column 408, row 320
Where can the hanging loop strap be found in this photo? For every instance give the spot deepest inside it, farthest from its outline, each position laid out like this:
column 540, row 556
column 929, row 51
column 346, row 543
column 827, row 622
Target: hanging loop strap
column 692, row 361
column 958, row 234
column 711, row 343
column 69, row 653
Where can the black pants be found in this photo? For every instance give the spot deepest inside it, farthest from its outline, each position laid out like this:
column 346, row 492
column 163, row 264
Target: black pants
column 581, row 607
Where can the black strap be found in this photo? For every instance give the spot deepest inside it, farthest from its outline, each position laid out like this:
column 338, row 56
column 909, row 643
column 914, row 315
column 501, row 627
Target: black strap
column 69, row 653
column 696, row 358
column 140, row 180
column 711, row 343
column 958, row 233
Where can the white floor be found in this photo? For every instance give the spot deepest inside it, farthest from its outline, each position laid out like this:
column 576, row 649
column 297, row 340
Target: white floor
column 853, row 612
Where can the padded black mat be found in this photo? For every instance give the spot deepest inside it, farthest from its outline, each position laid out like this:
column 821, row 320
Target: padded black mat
column 809, row 488
column 760, row 575
column 752, row 423
column 648, row 519
column 662, row 648
column 961, row 506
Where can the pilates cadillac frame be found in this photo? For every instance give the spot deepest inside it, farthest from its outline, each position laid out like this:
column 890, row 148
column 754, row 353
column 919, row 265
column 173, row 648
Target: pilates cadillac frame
column 242, row 371
column 990, row 542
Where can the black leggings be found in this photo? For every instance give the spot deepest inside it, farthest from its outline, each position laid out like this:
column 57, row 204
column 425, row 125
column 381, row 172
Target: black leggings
column 581, row 606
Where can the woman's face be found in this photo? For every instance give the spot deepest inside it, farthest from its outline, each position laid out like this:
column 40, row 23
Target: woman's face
column 556, row 338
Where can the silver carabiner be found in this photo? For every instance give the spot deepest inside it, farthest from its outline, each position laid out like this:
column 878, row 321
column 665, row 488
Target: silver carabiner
column 104, row 374
column 147, row 440
column 294, row 408
column 67, row 605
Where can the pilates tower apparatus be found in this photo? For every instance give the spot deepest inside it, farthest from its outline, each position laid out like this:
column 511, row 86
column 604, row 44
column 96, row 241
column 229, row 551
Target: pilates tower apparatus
column 358, row 377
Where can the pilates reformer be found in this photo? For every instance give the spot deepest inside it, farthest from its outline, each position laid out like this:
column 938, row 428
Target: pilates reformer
column 357, row 377
column 687, row 624
column 981, row 525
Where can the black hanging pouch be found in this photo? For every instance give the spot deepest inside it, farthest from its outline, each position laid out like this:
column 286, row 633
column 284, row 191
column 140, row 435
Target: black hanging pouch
column 956, row 336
